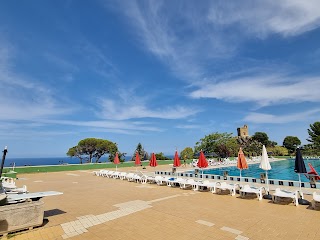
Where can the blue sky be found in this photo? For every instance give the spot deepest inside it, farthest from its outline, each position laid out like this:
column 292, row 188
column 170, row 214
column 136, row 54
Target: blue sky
column 162, row 73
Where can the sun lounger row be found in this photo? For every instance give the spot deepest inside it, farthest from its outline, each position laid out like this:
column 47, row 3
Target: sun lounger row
column 131, row 177
column 206, row 185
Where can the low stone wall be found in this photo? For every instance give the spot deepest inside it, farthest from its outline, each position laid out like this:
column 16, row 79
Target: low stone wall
column 21, row 216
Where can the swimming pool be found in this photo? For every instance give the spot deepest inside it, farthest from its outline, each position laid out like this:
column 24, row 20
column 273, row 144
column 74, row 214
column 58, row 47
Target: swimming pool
column 283, row 170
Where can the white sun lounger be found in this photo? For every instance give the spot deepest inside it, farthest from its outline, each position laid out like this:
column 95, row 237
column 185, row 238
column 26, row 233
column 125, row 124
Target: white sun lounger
column 109, row 174
column 286, row 194
column 103, row 173
column 204, row 186
column 162, row 181
column 137, row 178
column 187, row 183
column 223, row 186
column 130, row 177
column 316, row 200
column 149, row 179
column 97, row 173
column 122, row 175
column 115, row 175
column 174, row 182
column 249, row 189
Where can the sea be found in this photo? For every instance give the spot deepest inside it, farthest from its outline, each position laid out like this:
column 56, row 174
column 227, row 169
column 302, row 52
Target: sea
column 10, row 162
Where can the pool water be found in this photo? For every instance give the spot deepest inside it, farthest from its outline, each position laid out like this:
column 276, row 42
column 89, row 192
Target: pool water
column 283, row 170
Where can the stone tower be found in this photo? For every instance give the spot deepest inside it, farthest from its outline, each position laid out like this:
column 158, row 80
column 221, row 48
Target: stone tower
column 243, row 131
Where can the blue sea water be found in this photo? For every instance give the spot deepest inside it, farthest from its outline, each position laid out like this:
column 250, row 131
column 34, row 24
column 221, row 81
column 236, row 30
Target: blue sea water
column 9, row 162
column 280, row 170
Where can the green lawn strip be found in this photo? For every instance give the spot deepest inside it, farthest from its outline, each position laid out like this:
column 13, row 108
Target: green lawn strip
column 73, row 167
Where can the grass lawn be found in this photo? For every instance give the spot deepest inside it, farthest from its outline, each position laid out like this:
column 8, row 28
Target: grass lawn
column 72, row 167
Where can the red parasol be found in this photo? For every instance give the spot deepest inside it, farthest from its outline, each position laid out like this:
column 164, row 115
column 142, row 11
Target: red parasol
column 137, row 161
column 153, row 161
column 242, row 162
column 116, row 160
column 176, row 161
column 202, row 162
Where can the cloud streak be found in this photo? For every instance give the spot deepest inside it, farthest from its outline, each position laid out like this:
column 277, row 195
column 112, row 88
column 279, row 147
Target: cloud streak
column 107, row 125
column 264, row 90
column 130, row 108
column 215, row 30
column 280, row 119
column 287, row 17
column 22, row 97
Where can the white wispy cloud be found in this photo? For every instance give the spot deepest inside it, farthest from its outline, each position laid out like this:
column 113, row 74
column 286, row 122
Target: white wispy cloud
column 287, row 17
column 96, row 58
column 163, row 33
column 22, row 97
column 188, row 38
column 276, row 119
column 130, row 108
column 188, row 126
column 123, row 126
column 267, row 89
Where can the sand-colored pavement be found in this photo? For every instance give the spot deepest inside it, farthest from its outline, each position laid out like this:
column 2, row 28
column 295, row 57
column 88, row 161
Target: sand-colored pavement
column 94, row 207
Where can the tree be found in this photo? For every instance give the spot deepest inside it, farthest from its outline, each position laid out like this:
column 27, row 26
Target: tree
column 187, row 153
column 272, row 144
column 261, row 137
column 142, row 153
column 92, row 148
column 291, row 143
column 278, row 151
column 233, row 146
column 314, row 134
column 229, row 147
column 310, row 150
column 252, row 147
column 216, row 143
column 76, row 152
column 161, row 156
column 122, row 156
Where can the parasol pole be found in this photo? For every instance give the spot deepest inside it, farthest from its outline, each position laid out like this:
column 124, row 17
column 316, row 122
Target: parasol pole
column 299, row 182
column 267, row 180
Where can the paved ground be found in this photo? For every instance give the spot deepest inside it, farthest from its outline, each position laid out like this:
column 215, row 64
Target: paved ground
column 100, row 208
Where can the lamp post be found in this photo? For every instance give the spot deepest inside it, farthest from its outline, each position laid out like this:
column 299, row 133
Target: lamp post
column 3, row 195
column 3, row 158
